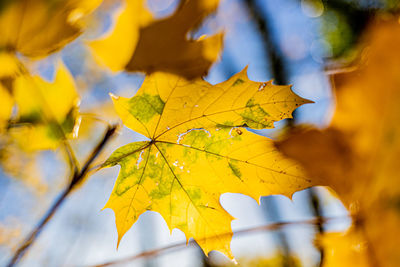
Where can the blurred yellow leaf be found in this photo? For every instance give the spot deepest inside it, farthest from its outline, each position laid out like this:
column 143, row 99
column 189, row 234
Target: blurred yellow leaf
column 358, row 154
column 8, row 67
column 198, row 151
column 7, row 103
column 36, row 28
column 276, row 260
column 140, row 43
column 47, row 110
column 8, row 71
column 22, row 166
column 10, row 231
column 344, row 249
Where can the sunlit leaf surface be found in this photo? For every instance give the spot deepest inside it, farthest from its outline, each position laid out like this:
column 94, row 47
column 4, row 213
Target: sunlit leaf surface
column 198, row 150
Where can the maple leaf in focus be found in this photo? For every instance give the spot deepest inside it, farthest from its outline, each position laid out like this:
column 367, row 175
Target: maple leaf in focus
column 358, row 154
column 140, row 43
column 36, row 28
column 198, row 150
column 47, row 111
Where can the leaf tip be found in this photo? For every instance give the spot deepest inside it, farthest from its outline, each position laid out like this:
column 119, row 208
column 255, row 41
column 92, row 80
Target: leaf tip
column 304, row 100
column 114, row 97
column 290, row 196
column 308, row 101
column 245, row 70
column 103, row 208
column 119, row 240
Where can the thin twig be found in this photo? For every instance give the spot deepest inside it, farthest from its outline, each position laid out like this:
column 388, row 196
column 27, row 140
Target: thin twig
column 274, row 56
column 182, row 245
column 94, row 117
column 72, row 160
column 318, row 213
column 77, row 177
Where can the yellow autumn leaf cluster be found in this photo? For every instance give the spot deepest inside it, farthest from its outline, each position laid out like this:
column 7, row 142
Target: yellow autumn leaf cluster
column 36, row 114
column 358, row 154
column 46, row 112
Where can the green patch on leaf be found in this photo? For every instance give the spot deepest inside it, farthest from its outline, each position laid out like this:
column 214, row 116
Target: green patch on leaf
column 250, row 103
column 69, row 123
column 237, row 82
column 194, row 194
column 54, row 131
column 235, row 169
column 255, row 117
column 144, row 107
column 34, row 117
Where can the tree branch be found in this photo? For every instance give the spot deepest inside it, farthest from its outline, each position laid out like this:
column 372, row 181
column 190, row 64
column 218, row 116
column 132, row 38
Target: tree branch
column 182, row 245
column 77, row 178
column 318, row 213
column 274, row 56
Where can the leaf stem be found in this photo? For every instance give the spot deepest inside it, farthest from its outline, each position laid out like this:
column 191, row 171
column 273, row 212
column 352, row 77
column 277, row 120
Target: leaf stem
column 77, row 178
column 72, row 160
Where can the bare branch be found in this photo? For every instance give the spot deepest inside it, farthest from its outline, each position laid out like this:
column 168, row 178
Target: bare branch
column 318, row 213
column 276, row 59
column 77, row 177
column 182, row 245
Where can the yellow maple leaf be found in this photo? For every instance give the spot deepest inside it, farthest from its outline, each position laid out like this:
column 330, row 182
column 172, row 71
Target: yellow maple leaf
column 141, row 43
column 36, row 28
column 358, row 154
column 47, row 111
column 198, row 151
